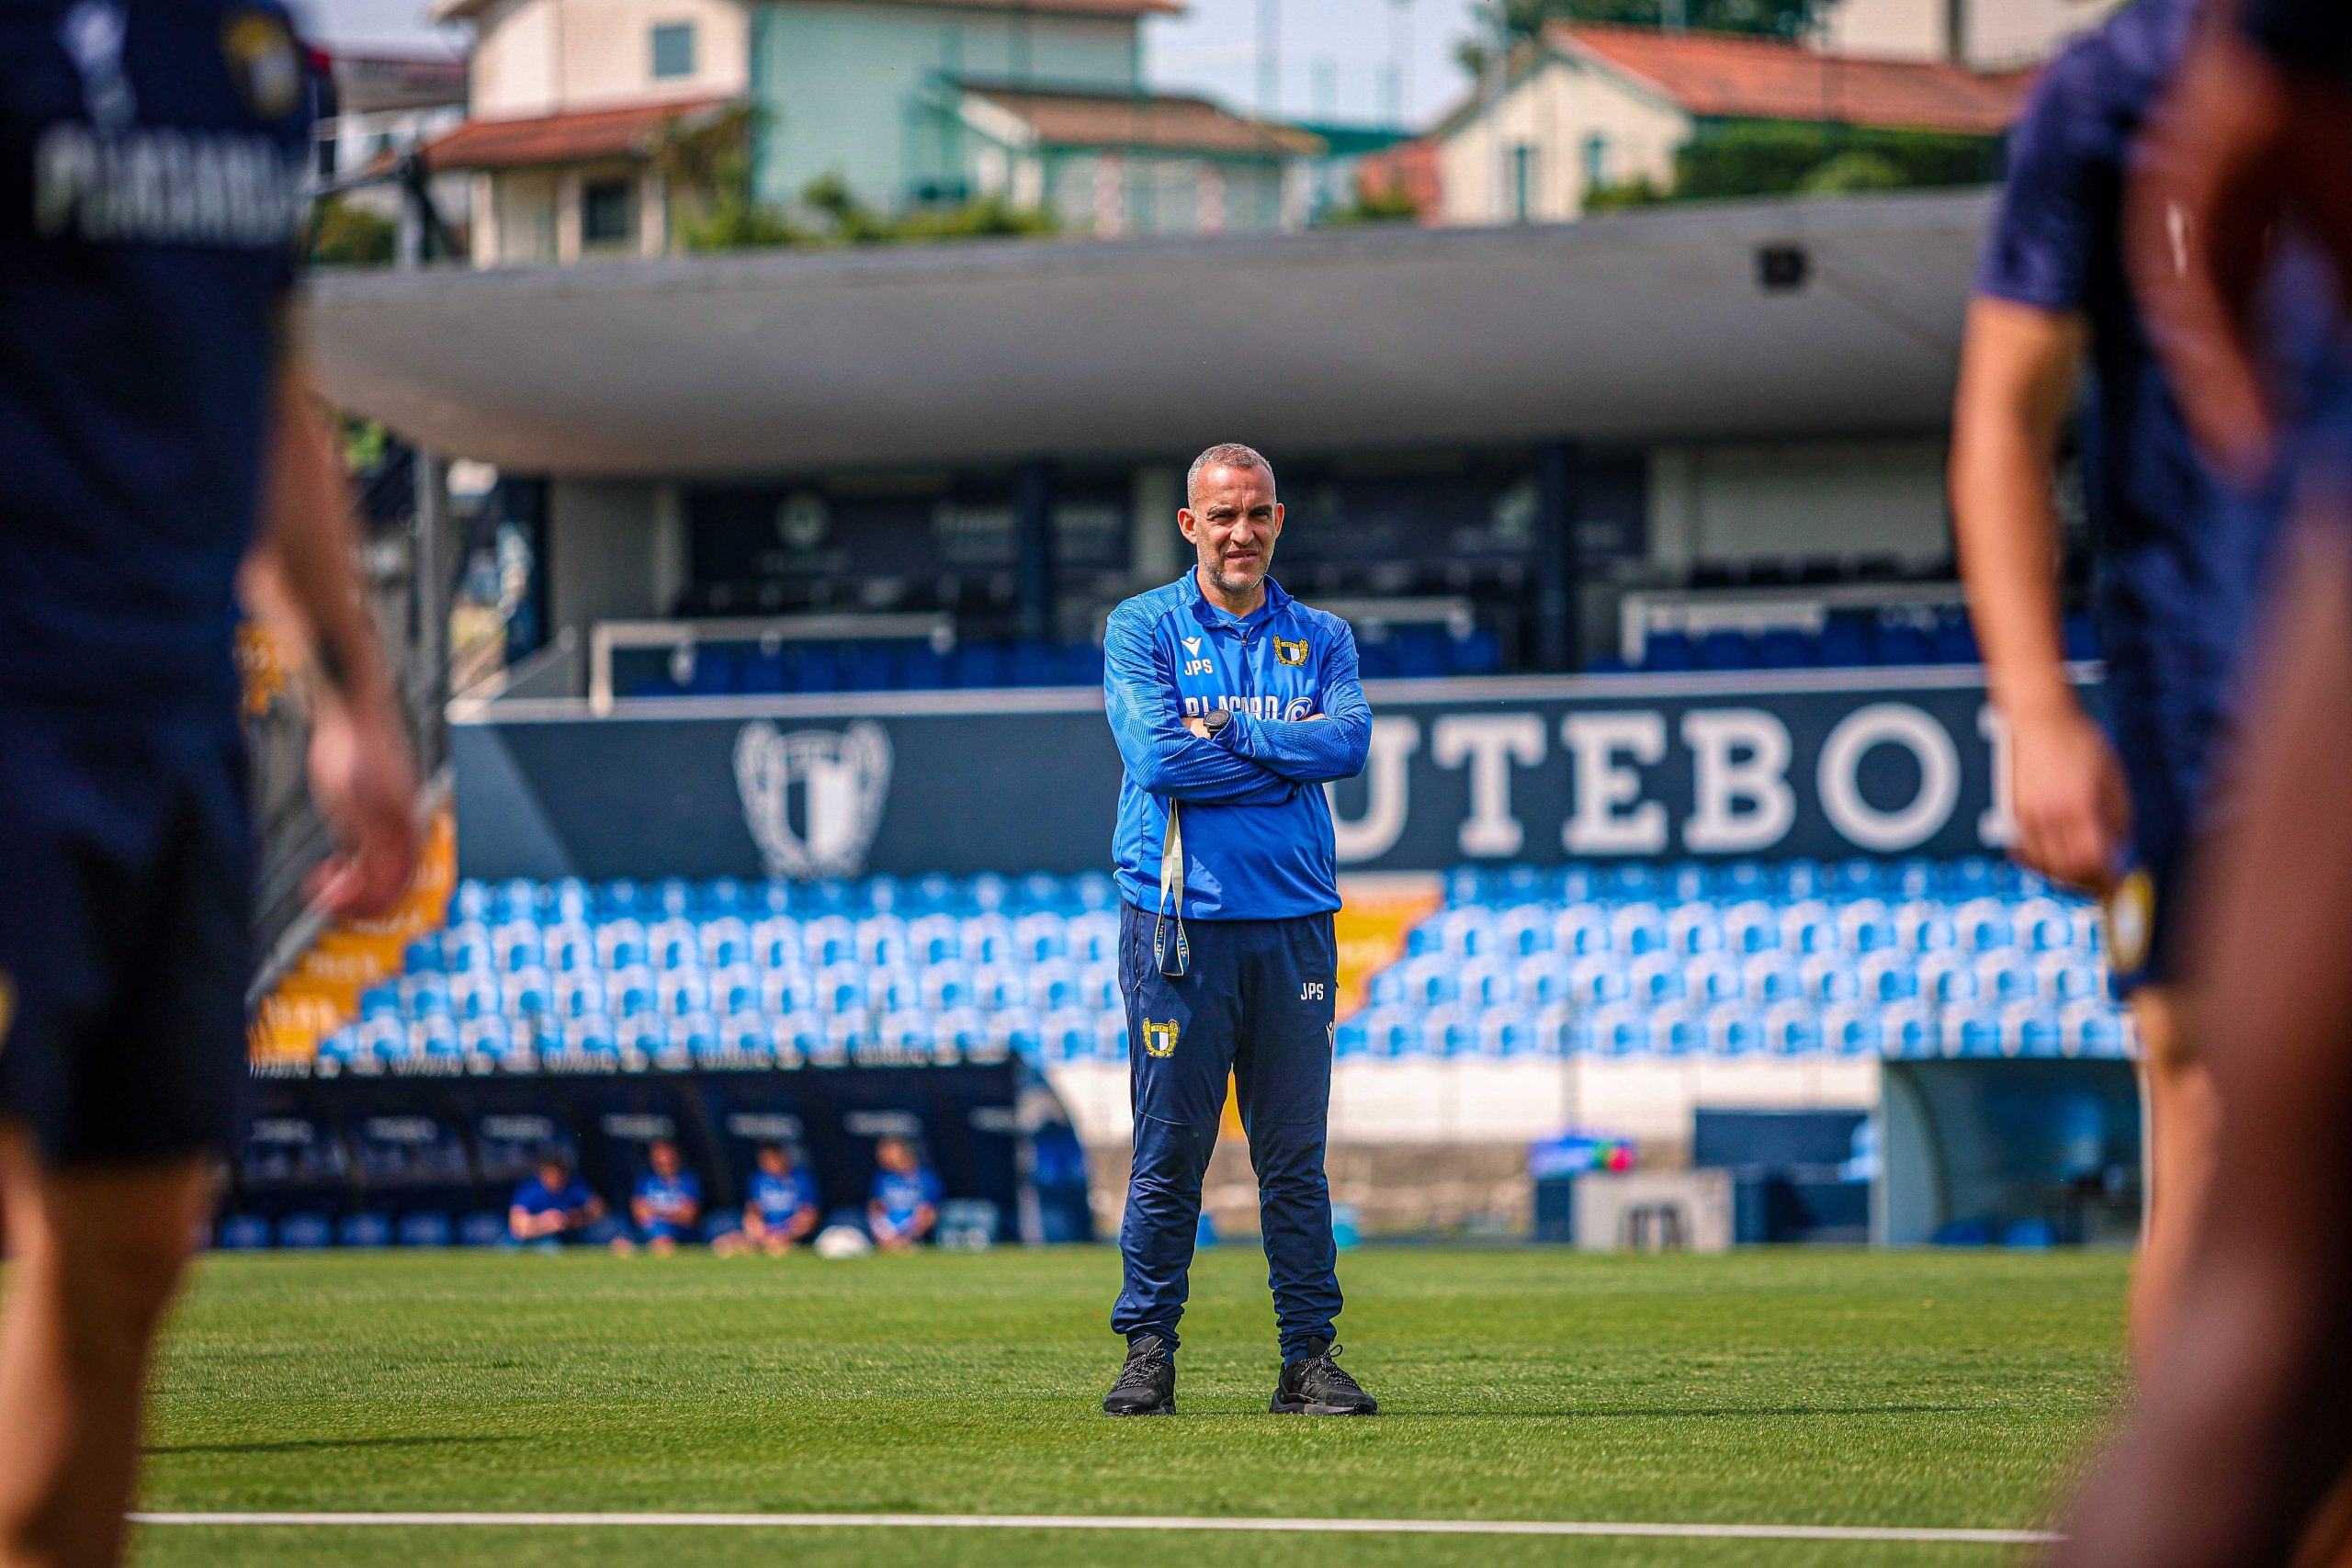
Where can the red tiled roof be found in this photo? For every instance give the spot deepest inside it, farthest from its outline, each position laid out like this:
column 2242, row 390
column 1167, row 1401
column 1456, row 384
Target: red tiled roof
column 1410, row 168
column 1734, row 77
column 1168, row 122
column 575, row 137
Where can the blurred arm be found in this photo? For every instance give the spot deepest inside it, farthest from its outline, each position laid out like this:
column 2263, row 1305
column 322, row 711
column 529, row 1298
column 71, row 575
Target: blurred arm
column 361, row 770
column 2019, row 365
column 1313, row 750
column 1163, row 758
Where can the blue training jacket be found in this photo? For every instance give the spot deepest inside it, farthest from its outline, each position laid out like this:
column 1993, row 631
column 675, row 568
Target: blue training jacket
column 1255, row 825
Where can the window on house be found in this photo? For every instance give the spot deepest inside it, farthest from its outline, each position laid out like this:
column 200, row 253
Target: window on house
column 1523, row 181
column 673, row 50
column 607, row 212
column 1596, row 160
column 326, row 151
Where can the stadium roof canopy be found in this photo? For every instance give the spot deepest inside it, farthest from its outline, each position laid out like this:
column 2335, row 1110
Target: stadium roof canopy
column 1641, row 327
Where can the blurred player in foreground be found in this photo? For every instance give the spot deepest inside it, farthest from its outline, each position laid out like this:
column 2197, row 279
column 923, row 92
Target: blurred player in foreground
column 1232, row 703
column 2181, row 559
column 151, row 410
column 2240, row 1432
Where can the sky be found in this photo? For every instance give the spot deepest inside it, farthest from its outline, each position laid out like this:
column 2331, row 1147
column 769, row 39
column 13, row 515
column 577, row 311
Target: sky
column 1334, row 57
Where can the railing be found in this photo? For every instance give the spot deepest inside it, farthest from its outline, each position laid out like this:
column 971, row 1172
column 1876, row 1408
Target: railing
column 608, row 636
column 402, row 523
column 1698, row 610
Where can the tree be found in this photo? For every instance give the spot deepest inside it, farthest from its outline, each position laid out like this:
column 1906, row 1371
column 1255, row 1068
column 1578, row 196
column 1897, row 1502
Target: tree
column 344, row 235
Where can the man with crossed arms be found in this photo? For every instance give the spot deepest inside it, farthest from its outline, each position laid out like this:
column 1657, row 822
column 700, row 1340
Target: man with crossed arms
column 1232, row 704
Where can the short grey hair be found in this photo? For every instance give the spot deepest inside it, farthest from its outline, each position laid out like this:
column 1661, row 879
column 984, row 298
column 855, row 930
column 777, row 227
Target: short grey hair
column 1225, row 454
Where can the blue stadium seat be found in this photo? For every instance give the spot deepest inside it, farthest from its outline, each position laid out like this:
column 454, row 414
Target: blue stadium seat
column 427, row 1229
column 242, row 1233
column 483, row 1228
column 364, row 1229
column 304, row 1232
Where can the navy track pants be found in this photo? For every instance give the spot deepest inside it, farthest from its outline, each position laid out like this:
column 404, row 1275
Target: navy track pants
column 1257, row 1003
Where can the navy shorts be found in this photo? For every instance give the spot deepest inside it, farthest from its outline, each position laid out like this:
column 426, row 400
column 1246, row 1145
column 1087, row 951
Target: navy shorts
column 126, row 908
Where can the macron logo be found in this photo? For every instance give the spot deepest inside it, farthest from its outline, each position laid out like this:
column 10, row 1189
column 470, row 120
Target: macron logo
column 1192, row 645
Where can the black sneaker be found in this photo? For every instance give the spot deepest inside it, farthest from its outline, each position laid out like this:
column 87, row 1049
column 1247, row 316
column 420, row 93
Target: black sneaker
column 1146, row 1384
column 1315, row 1385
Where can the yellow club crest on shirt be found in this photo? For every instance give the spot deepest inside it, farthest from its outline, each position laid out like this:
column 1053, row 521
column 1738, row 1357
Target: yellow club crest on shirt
column 1160, row 1039
column 2131, row 920
column 1288, row 652
column 264, row 62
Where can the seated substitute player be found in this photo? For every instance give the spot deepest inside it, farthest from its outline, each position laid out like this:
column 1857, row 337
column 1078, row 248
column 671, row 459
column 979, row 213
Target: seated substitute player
column 155, row 426
column 1232, row 704
column 2182, row 557
column 553, row 1206
column 667, row 1203
column 905, row 1202
column 782, row 1208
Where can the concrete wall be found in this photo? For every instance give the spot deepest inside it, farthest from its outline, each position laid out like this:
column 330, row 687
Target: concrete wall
column 1555, row 111
column 539, row 57
column 609, row 557
column 2001, row 33
column 846, row 88
column 1736, row 501
column 1889, row 29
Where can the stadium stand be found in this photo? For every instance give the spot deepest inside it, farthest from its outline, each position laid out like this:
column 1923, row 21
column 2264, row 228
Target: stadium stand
column 710, row 668
column 1858, row 958
column 1845, row 639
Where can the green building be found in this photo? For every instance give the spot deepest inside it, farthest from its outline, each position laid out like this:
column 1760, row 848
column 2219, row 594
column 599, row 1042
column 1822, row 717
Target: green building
column 916, row 103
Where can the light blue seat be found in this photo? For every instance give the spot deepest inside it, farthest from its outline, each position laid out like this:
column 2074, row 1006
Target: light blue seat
column 1808, row 927
column 2029, row 1029
column 1001, row 990
column 1752, row 926
column 1793, row 1030
column 787, row 991
column 1638, row 929
column 841, row 990
column 364, row 1230
column 1889, row 977
column 1849, row 1031
column 1657, row 978
column 1694, row 929
column 1733, row 1029
column 1716, row 978
column 1676, row 1030
column 1908, row 1028
column 1971, row 1031
column 1830, row 979
column 427, row 1229
column 1599, row 979
column 242, row 1233
column 380, row 1001
column 682, row 992
column 1772, row 978
column 470, row 902
column 304, row 1232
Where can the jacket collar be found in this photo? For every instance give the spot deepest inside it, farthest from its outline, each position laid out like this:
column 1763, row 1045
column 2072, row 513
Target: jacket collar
column 1209, row 615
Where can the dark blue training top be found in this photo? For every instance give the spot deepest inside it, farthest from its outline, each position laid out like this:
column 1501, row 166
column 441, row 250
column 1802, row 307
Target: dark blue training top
column 2179, row 557
column 152, row 163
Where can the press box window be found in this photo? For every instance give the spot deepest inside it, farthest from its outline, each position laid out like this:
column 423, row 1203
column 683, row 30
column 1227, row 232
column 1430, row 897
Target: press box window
column 607, row 210
column 673, row 50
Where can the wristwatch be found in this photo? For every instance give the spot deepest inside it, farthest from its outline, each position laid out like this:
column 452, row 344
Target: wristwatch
column 1214, row 720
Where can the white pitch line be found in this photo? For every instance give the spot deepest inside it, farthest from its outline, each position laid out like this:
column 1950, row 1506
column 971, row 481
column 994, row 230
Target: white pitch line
column 1116, row 1522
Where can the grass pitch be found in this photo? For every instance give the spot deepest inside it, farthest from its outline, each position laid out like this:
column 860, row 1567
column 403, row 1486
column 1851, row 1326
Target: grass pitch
column 1808, row 1387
